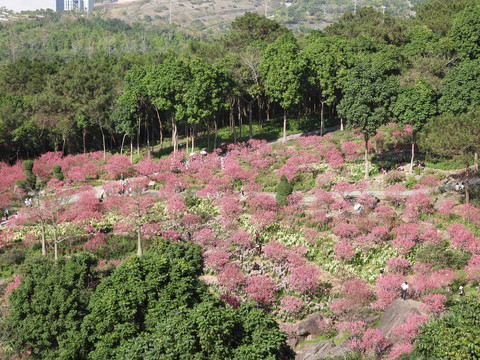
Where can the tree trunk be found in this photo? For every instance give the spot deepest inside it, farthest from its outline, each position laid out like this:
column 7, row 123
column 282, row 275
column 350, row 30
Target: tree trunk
column 208, row 136
column 147, row 137
column 84, row 135
column 193, row 138
column 341, row 124
column 186, row 139
column 467, row 182
column 475, row 162
column 322, row 120
column 44, row 242
column 367, row 172
column 123, row 142
column 259, row 113
column 284, row 125
column 131, row 150
column 139, row 241
column 268, row 109
column 250, row 135
column 232, row 122
column 174, row 134
column 414, row 135
column 103, row 141
column 138, row 136
column 55, row 242
column 160, row 126
column 239, row 120
column 216, row 132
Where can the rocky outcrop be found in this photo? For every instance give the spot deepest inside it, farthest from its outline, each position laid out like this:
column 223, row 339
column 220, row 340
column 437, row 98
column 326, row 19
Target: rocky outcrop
column 396, row 314
column 308, row 329
column 323, row 349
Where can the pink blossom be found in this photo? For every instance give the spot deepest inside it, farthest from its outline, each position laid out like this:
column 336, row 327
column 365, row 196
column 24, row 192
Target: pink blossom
column 407, row 235
column 204, row 237
column 398, row 265
column 399, row 349
column 435, row 303
column 387, row 290
column 345, row 230
column 147, row 167
column 355, row 328
column 231, row 277
column 304, row 278
column 292, row 305
column 407, row 331
column 472, row 270
column 95, row 243
column 116, row 165
column 176, row 206
column 261, row 289
column 12, row 286
column 344, row 189
column 373, row 343
column 344, row 251
column 351, row 150
column 445, row 208
column 275, row 251
column 463, row 239
column 216, row 260
column 393, row 194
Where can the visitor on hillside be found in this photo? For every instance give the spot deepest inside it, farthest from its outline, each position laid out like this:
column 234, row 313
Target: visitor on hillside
column 400, row 168
column 422, row 164
column 6, row 214
column 381, row 273
column 404, row 290
column 460, row 291
column 121, row 177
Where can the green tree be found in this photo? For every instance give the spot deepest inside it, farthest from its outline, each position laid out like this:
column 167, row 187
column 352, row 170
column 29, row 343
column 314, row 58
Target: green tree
column 284, row 188
column 368, row 94
column 416, row 105
column 449, row 135
column 461, row 88
column 167, row 85
column 326, row 62
column 465, row 31
column 282, row 72
column 454, row 336
column 46, row 311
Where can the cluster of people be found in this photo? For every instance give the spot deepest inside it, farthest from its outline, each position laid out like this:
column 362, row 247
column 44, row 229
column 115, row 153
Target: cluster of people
column 28, row 202
column 459, row 186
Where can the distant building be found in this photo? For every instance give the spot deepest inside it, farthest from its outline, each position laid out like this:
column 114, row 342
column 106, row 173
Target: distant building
column 80, row 5
column 55, row 5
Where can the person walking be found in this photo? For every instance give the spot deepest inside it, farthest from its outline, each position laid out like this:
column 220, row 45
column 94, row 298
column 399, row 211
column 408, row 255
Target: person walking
column 404, row 290
column 6, row 214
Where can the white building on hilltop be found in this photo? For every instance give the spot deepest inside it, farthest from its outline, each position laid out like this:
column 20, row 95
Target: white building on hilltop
column 55, row 5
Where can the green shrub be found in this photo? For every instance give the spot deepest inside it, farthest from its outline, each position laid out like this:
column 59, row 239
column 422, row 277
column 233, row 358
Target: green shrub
column 442, row 256
column 57, row 172
column 284, row 188
column 12, row 257
column 31, row 178
column 410, row 182
column 27, row 165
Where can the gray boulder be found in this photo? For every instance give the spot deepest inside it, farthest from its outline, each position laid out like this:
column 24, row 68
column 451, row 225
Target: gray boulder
column 323, row 349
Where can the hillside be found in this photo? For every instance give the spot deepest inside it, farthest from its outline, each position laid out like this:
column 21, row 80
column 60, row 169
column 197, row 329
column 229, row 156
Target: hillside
column 300, row 14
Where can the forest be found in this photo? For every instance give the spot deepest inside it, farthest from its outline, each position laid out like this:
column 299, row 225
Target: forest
column 95, row 87
column 146, row 215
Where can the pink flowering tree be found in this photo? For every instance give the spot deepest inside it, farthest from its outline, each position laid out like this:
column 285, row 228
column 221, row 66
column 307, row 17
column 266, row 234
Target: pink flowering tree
column 304, row 279
column 387, row 290
column 462, row 238
column 133, row 208
column 407, row 331
column 435, row 303
column 261, row 289
column 8, row 176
